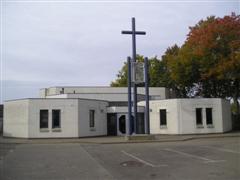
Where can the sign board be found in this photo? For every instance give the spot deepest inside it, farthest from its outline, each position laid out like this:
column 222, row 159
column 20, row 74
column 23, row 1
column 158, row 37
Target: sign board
column 138, row 72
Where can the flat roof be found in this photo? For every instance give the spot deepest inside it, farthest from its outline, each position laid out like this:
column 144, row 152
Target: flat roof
column 93, row 87
column 56, row 99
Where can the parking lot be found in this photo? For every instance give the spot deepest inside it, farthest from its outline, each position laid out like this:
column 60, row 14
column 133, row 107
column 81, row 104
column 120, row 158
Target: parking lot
column 217, row 158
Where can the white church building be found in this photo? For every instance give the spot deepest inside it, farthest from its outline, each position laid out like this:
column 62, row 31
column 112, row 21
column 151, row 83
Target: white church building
column 67, row 112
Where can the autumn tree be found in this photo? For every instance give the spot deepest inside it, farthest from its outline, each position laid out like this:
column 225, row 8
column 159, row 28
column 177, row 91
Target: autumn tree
column 215, row 46
column 206, row 65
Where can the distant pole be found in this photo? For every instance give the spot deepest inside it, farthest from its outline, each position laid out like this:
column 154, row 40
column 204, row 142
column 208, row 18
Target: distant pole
column 146, row 122
column 134, row 33
column 129, row 97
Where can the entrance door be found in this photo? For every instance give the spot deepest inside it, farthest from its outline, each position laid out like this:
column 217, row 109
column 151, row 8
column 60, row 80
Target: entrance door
column 122, row 124
column 111, row 124
column 140, row 123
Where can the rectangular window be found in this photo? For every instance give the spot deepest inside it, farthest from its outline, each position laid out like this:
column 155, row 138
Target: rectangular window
column 91, row 118
column 163, row 117
column 209, row 116
column 43, row 118
column 199, row 116
column 56, row 118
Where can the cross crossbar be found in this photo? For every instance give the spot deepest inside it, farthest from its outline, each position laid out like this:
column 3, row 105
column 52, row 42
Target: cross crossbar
column 136, row 32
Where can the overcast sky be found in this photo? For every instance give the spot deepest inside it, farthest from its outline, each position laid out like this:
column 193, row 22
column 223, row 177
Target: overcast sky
column 47, row 43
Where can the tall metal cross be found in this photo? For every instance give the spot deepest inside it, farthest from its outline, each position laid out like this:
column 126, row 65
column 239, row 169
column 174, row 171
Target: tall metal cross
column 134, row 33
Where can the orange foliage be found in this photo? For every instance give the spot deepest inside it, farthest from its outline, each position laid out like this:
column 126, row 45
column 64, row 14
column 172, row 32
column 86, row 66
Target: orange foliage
column 217, row 40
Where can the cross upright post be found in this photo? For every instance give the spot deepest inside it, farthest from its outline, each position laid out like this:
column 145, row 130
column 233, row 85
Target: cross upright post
column 146, row 122
column 134, row 33
column 129, row 121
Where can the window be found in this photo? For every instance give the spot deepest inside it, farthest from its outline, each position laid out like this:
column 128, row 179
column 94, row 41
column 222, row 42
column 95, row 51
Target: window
column 56, row 118
column 44, row 118
column 199, row 116
column 91, row 118
column 163, row 117
column 209, row 116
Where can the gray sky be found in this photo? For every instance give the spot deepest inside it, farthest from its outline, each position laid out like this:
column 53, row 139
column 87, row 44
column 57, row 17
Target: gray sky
column 58, row 43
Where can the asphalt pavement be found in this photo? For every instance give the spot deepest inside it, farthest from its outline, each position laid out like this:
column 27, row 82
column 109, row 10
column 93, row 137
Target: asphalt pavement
column 204, row 158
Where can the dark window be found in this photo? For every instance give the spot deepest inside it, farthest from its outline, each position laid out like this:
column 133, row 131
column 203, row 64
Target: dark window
column 209, row 115
column 1, row 110
column 44, row 118
column 163, row 117
column 199, row 116
column 140, row 123
column 91, row 118
column 56, row 118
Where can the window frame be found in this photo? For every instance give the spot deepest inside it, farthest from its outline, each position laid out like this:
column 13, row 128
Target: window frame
column 199, row 125
column 211, row 115
column 59, row 111
column 160, row 117
column 41, row 118
column 92, row 118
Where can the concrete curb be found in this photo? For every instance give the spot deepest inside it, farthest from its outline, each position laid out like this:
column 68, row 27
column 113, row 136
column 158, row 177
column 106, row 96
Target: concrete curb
column 71, row 141
column 167, row 140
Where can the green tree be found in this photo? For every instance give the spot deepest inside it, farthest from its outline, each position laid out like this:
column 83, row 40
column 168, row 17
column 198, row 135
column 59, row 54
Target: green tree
column 157, row 73
column 121, row 80
column 176, row 72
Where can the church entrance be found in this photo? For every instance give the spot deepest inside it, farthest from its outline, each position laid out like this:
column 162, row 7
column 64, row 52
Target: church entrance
column 122, row 124
column 117, row 124
column 112, row 124
column 140, row 124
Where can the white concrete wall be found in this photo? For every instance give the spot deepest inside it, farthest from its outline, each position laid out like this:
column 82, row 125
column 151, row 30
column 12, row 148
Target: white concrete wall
column 154, row 115
column 23, row 118
column 58, row 96
column 226, row 116
column 188, row 115
column 50, row 91
column 181, row 116
column 154, row 91
column 43, row 92
column 15, row 123
column 100, row 108
column 69, row 118
column 113, row 97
